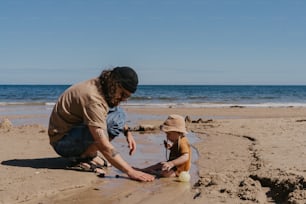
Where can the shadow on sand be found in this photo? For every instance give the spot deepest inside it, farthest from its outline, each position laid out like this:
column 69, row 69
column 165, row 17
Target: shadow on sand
column 39, row 163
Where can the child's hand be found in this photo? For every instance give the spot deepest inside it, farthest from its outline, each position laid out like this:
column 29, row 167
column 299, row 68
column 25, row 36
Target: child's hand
column 167, row 166
column 167, row 145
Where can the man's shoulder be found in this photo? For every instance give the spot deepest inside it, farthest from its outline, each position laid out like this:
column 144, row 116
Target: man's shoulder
column 87, row 87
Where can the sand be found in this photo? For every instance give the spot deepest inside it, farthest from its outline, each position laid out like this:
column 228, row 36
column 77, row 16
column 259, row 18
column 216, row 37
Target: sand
column 242, row 155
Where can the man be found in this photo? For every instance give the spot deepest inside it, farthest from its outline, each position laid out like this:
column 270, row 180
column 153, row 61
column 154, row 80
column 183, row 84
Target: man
column 78, row 124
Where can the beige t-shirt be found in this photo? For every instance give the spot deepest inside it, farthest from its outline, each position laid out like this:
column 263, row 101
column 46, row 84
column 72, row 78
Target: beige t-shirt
column 80, row 104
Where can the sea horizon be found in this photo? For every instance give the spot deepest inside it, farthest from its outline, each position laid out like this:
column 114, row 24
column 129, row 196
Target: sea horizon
column 19, row 101
column 170, row 95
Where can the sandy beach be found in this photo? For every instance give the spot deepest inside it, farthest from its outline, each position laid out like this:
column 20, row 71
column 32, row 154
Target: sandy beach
column 242, row 155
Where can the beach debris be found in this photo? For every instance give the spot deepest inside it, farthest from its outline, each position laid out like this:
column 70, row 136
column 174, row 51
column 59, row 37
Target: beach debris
column 203, row 121
column 237, row 106
column 187, row 119
column 42, row 131
column 198, row 183
column 198, row 194
column 6, row 125
column 101, row 175
column 145, row 127
column 302, row 120
column 200, row 120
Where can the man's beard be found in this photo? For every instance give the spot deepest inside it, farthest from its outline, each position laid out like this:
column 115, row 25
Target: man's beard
column 113, row 102
column 110, row 96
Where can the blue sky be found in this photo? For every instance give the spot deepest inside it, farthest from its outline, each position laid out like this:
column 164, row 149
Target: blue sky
column 166, row 41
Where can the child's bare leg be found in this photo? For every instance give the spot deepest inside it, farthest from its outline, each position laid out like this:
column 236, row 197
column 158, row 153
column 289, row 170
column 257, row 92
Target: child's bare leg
column 156, row 169
column 167, row 174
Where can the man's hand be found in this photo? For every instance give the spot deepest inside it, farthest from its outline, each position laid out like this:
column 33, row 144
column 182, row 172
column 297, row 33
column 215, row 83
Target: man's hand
column 140, row 176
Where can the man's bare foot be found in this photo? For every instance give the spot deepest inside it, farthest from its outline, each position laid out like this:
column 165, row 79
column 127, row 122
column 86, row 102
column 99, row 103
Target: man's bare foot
column 100, row 161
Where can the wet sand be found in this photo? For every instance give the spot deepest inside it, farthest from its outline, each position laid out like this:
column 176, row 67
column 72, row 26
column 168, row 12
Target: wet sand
column 245, row 155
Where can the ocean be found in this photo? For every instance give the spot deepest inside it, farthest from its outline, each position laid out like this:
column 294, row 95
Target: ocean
column 18, row 102
column 170, row 95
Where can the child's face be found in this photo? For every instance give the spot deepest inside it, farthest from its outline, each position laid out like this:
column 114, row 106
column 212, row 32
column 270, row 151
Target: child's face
column 172, row 136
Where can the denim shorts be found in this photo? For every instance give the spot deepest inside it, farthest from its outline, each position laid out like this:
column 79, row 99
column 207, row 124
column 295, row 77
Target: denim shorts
column 79, row 138
column 75, row 142
column 116, row 119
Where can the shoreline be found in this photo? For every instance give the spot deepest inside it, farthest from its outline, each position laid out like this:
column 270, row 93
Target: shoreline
column 28, row 115
column 246, row 155
column 173, row 104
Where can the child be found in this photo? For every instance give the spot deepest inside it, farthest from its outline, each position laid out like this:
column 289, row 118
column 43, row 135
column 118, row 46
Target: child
column 180, row 152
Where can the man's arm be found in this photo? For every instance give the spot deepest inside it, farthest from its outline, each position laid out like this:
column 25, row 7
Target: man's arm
column 113, row 156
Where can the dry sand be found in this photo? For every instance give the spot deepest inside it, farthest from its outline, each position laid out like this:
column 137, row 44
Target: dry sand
column 245, row 155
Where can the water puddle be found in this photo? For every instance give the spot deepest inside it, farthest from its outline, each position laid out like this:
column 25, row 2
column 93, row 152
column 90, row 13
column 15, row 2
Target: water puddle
column 150, row 150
